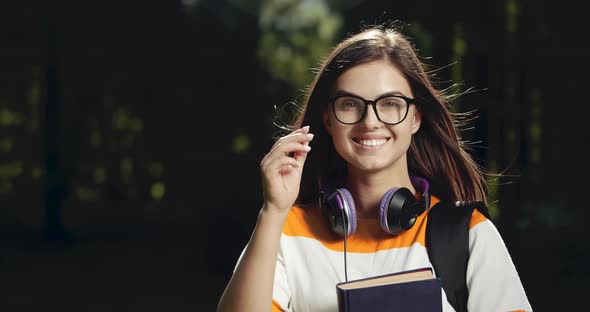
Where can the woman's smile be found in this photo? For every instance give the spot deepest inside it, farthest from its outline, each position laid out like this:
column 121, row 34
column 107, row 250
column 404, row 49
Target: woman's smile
column 369, row 143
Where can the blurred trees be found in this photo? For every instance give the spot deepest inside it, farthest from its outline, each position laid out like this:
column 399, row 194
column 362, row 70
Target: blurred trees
column 295, row 37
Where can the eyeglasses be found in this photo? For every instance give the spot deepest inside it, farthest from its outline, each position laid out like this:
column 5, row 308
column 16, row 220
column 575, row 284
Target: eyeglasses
column 389, row 109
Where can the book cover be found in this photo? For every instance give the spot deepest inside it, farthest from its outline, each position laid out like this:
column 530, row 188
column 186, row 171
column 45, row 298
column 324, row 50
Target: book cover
column 414, row 290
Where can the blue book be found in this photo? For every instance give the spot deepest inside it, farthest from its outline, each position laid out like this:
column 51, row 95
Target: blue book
column 414, row 290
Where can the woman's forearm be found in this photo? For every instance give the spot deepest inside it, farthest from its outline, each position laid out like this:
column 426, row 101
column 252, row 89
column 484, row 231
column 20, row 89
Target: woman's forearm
column 251, row 286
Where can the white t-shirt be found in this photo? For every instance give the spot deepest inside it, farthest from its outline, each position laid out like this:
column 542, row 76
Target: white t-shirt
column 310, row 262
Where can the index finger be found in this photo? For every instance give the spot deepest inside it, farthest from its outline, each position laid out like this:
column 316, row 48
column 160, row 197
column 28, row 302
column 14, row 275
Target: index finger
column 302, row 130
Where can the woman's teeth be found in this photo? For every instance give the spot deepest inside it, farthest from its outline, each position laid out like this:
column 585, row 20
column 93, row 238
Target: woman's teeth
column 373, row 142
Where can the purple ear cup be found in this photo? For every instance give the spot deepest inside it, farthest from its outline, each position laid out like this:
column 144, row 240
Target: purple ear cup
column 340, row 210
column 349, row 210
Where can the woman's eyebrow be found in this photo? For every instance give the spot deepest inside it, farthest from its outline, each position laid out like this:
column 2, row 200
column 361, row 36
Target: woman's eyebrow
column 342, row 92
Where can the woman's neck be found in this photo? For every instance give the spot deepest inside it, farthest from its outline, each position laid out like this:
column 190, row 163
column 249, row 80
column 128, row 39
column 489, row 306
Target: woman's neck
column 368, row 189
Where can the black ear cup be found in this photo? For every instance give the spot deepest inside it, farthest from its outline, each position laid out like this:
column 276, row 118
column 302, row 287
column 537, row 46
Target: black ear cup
column 399, row 210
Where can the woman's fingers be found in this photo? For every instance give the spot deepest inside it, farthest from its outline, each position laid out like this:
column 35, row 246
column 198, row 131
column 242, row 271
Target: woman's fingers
column 288, row 148
column 292, row 144
column 302, row 130
column 285, row 150
column 295, row 135
column 277, row 164
column 300, row 157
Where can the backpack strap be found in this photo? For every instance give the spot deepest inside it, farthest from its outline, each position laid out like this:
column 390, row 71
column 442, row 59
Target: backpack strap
column 447, row 244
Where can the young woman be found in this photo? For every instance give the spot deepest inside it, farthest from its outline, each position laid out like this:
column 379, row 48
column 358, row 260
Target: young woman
column 377, row 122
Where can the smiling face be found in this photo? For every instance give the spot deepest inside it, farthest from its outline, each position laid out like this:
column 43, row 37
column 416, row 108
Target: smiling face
column 370, row 145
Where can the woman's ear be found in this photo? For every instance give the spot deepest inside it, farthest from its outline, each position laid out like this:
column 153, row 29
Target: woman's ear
column 416, row 121
column 327, row 122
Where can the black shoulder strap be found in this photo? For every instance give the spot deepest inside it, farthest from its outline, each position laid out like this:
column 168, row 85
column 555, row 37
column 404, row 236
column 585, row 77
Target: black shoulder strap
column 447, row 243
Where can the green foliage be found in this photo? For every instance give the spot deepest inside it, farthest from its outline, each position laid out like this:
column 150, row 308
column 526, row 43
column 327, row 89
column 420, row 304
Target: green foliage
column 295, row 36
column 421, row 37
column 123, row 121
column 512, row 10
column 459, row 50
column 158, row 190
column 115, row 131
column 10, row 118
column 128, row 125
column 493, row 187
column 95, row 138
column 34, row 99
column 5, row 187
column 87, row 193
column 6, row 144
column 550, row 214
column 11, row 169
column 241, row 144
column 126, row 169
column 36, row 172
column 535, row 130
column 100, row 174
column 510, row 136
column 156, row 169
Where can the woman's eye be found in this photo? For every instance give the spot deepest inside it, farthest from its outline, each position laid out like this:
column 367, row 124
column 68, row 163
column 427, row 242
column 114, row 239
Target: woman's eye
column 391, row 103
column 348, row 104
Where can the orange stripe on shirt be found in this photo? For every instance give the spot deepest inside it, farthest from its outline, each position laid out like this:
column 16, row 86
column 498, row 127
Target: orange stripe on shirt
column 476, row 218
column 276, row 307
column 368, row 238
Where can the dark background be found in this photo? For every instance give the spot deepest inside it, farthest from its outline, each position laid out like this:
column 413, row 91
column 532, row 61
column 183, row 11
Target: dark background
column 131, row 133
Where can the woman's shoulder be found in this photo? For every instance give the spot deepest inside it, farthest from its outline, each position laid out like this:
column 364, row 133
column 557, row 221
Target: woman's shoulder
column 304, row 220
column 477, row 218
column 302, row 213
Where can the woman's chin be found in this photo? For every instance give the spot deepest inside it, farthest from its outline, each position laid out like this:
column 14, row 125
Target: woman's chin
column 375, row 165
column 371, row 167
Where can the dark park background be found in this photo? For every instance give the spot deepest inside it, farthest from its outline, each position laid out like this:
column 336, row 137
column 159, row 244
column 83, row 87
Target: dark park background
column 131, row 134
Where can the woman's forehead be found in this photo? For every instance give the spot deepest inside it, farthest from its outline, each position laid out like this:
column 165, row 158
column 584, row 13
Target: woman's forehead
column 372, row 79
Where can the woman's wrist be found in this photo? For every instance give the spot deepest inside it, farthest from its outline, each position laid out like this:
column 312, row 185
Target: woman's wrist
column 273, row 214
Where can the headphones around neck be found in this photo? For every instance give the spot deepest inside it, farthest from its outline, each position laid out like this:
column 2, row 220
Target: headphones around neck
column 398, row 209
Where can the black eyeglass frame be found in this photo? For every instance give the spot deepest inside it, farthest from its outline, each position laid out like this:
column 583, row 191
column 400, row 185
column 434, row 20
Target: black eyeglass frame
column 408, row 101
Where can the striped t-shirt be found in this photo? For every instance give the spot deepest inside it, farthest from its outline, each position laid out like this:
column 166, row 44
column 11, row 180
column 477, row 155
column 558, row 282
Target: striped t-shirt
column 310, row 262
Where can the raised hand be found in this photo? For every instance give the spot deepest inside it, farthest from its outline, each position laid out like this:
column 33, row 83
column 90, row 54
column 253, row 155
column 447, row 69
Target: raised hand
column 281, row 170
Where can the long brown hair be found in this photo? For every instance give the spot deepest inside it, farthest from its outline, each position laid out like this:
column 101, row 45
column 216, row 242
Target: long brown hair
column 435, row 152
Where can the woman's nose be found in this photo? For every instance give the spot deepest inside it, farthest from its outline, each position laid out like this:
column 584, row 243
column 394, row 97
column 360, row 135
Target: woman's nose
column 370, row 120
